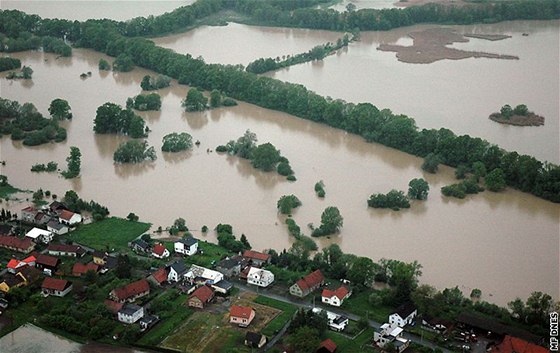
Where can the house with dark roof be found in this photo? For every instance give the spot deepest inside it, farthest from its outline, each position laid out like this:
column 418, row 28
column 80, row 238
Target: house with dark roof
column 66, row 250
column 14, row 243
column 241, row 315
column 42, row 218
column 148, row 321
column 9, row 281
column 57, row 206
column 140, row 246
column 327, row 346
column 404, row 315
column 5, row 229
column 159, row 277
column 517, row 345
column 222, row 286
column 28, row 214
column 186, row 246
column 160, row 252
column 229, row 267
column 176, row 271
column 479, row 322
column 201, row 296
column 47, row 262
column 80, row 269
column 256, row 258
column 130, row 313
column 57, row 228
column 255, row 340
column 335, row 297
column 307, row 284
column 56, row 287
column 131, row 291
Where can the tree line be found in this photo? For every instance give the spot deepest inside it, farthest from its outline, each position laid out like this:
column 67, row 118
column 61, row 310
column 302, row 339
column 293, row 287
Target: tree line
column 382, row 126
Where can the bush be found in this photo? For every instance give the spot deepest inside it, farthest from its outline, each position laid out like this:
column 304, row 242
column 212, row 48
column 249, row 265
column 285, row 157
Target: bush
column 134, row 151
column 221, row 148
column 286, row 203
column 284, row 169
column 104, row 65
column 291, row 178
column 9, row 64
column 431, row 163
column 394, row 200
column 320, row 189
column 175, row 142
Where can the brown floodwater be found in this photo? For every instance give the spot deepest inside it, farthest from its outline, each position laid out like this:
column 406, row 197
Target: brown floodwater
column 82, row 10
column 455, row 94
column 241, row 44
column 506, row 244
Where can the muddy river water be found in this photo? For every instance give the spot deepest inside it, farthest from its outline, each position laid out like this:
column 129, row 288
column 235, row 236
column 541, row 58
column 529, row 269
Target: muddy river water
column 506, row 244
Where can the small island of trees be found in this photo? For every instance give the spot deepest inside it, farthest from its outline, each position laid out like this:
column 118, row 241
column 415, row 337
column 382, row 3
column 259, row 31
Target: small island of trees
column 143, row 102
column 112, row 119
column 150, row 83
column 519, row 116
column 134, row 151
column 175, row 142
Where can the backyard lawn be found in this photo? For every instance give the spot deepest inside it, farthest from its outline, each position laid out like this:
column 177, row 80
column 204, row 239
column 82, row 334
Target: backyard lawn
column 111, row 233
column 279, row 321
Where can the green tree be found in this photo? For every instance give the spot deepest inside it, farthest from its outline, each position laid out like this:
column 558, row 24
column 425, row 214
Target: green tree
column 215, row 98
column 479, row 170
column 134, row 151
column 431, row 163
column 521, row 109
column 26, row 72
column 132, row 217
column 476, row 293
column 320, row 189
column 303, row 339
column 175, row 142
column 60, row 109
column 124, row 268
column 74, row 163
column 284, row 169
column 244, row 146
column 495, row 180
column 418, row 189
column 265, row 157
column 195, row 101
column 245, row 242
column 286, row 203
column 506, row 111
column 331, row 221
column 362, row 272
column 104, row 65
column 123, row 63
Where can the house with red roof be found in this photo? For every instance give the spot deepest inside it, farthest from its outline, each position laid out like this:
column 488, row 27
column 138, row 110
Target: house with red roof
column 47, row 263
column 335, row 297
column 131, row 291
column 307, row 284
column 113, row 306
column 517, row 345
column 256, row 258
column 80, row 269
column 69, row 218
column 14, row 243
column 159, row 251
column 241, row 315
column 56, row 287
column 15, row 265
column 327, row 346
column 201, row 296
column 159, row 277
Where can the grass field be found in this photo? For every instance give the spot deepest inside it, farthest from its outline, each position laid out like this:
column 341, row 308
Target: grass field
column 358, row 304
column 112, row 233
column 347, row 345
column 279, row 321
column 7, row 190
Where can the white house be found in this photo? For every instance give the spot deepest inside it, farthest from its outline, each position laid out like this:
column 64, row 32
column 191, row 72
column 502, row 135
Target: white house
column 260, row 277
column 335, row 322
column 176, row 271
column 390, row 333
column 404, row 315
column 202, row 274
column 70, row 218
column 159, row 251
column 130, row 313
column 40, row 235
column 335, row 297
column 57, row 228
column 187, row 246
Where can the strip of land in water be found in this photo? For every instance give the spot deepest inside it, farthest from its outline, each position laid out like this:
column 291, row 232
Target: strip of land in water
column 530, row 119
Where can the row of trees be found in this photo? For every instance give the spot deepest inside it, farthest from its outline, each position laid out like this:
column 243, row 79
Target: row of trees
column 110, row 118
column 76, row 204
column 9, row 64
column 417, row 190
column 150, row 83
column 382, row 126
column 227, row 240
column 49, row 167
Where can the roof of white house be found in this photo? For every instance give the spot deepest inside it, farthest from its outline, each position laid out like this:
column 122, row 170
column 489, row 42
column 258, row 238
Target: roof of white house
column 37, row 232
column 259, row 272
column 199, row 271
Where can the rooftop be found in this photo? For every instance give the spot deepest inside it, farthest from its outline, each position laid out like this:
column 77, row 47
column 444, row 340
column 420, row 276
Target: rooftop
column 240, row 311
column 256, row 255
column 129, row 309
column 55, row 284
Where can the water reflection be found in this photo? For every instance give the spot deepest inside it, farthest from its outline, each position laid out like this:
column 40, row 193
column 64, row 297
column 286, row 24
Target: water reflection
column 124, row 171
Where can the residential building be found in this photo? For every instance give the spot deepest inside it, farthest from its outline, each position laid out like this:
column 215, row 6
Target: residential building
column 148, row 321
column 113, row 306
column 10, row 280
column 159, row 251
column 334, row 321
column 14, row 243
column 222, row 286
column 47, row 263
column 327, row 346
column 517, row 345
column 57, row 207
column 202, row 275
column 260, row 277
column 229, row 267
column 42, row 218
column 159, row 277
column 100, row 257
column 390, row 333
column 186, row 246
column 201, row 296
column 255, row 340
column 130, row 313
column 335, row 297
column 404, row 315
column 39, row 235
column 176, row 271
column 66, row 250
column 57, row 228
column 28, row 214
column 80, row 269
column 307, row 284
column 14, row 265
column 131, row 291
column 140, row 246
column 56, row 287
column 256, row 258
column 69, row 218
column 241, row 315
